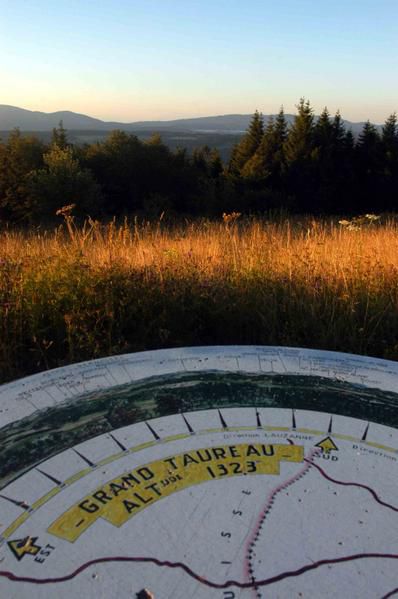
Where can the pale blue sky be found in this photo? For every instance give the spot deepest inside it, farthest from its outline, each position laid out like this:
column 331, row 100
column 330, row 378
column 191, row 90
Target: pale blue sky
column 158, row 59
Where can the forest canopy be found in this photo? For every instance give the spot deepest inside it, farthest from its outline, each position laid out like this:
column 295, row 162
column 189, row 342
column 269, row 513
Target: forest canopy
column 315, row 165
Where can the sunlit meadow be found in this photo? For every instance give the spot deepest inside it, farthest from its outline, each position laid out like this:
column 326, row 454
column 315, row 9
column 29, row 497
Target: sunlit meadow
column 81, row 292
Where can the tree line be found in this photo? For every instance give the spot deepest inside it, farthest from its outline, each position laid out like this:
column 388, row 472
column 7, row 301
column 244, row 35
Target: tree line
column 315, row 165
column 119, row 176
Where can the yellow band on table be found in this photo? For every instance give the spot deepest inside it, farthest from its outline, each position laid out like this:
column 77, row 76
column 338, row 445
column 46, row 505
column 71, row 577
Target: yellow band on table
column 121, row 498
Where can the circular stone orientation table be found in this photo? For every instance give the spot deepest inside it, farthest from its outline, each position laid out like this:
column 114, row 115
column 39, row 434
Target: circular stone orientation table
column 218, row 472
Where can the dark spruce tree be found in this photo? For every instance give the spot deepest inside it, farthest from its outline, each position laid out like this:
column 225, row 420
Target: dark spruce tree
column 268, row 163
column 339, row 131
column 281, row 128
column 368, row 153
column 343, row 164
column 390, row 161
column 323, row 131
column 390, row 133
column 333, row 173
column 299, row 143
column 298, row 150
column 323, row 162
column 248, row 145
column 259, row 184
column 257, row 168
column 349, row 142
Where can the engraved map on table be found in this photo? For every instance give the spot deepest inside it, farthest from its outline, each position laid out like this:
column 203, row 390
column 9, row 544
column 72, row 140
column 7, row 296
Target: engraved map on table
column 212, row 472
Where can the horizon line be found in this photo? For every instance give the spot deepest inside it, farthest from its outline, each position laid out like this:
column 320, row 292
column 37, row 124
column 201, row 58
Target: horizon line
column 184, row 118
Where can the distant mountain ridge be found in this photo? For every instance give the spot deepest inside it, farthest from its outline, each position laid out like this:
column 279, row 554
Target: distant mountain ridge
column 29, row 120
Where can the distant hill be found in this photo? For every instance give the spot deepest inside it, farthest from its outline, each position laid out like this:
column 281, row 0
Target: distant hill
column 28, row 120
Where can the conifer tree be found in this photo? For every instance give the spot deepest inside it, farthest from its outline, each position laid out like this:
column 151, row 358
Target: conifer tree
column 59, row 136
column 343, row 175
column 349, row 141
column 299, row 143
column 368, row 151
column 215, row 164
column 298, row 151
column 369, row 137
column 267, row 164
column 331, row 172
column 323, row 131
column 281, row 134
column 248, row 145
column 322, row 156
column 258, row 166
column 390, row 161
column 390, row 133
column 338, row 130
column 232, row 167
column 201, row 157
column 281, row 127
column 368, row 148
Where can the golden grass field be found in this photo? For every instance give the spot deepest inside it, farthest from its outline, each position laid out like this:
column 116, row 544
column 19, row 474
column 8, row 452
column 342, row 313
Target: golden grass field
column 78, row 293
